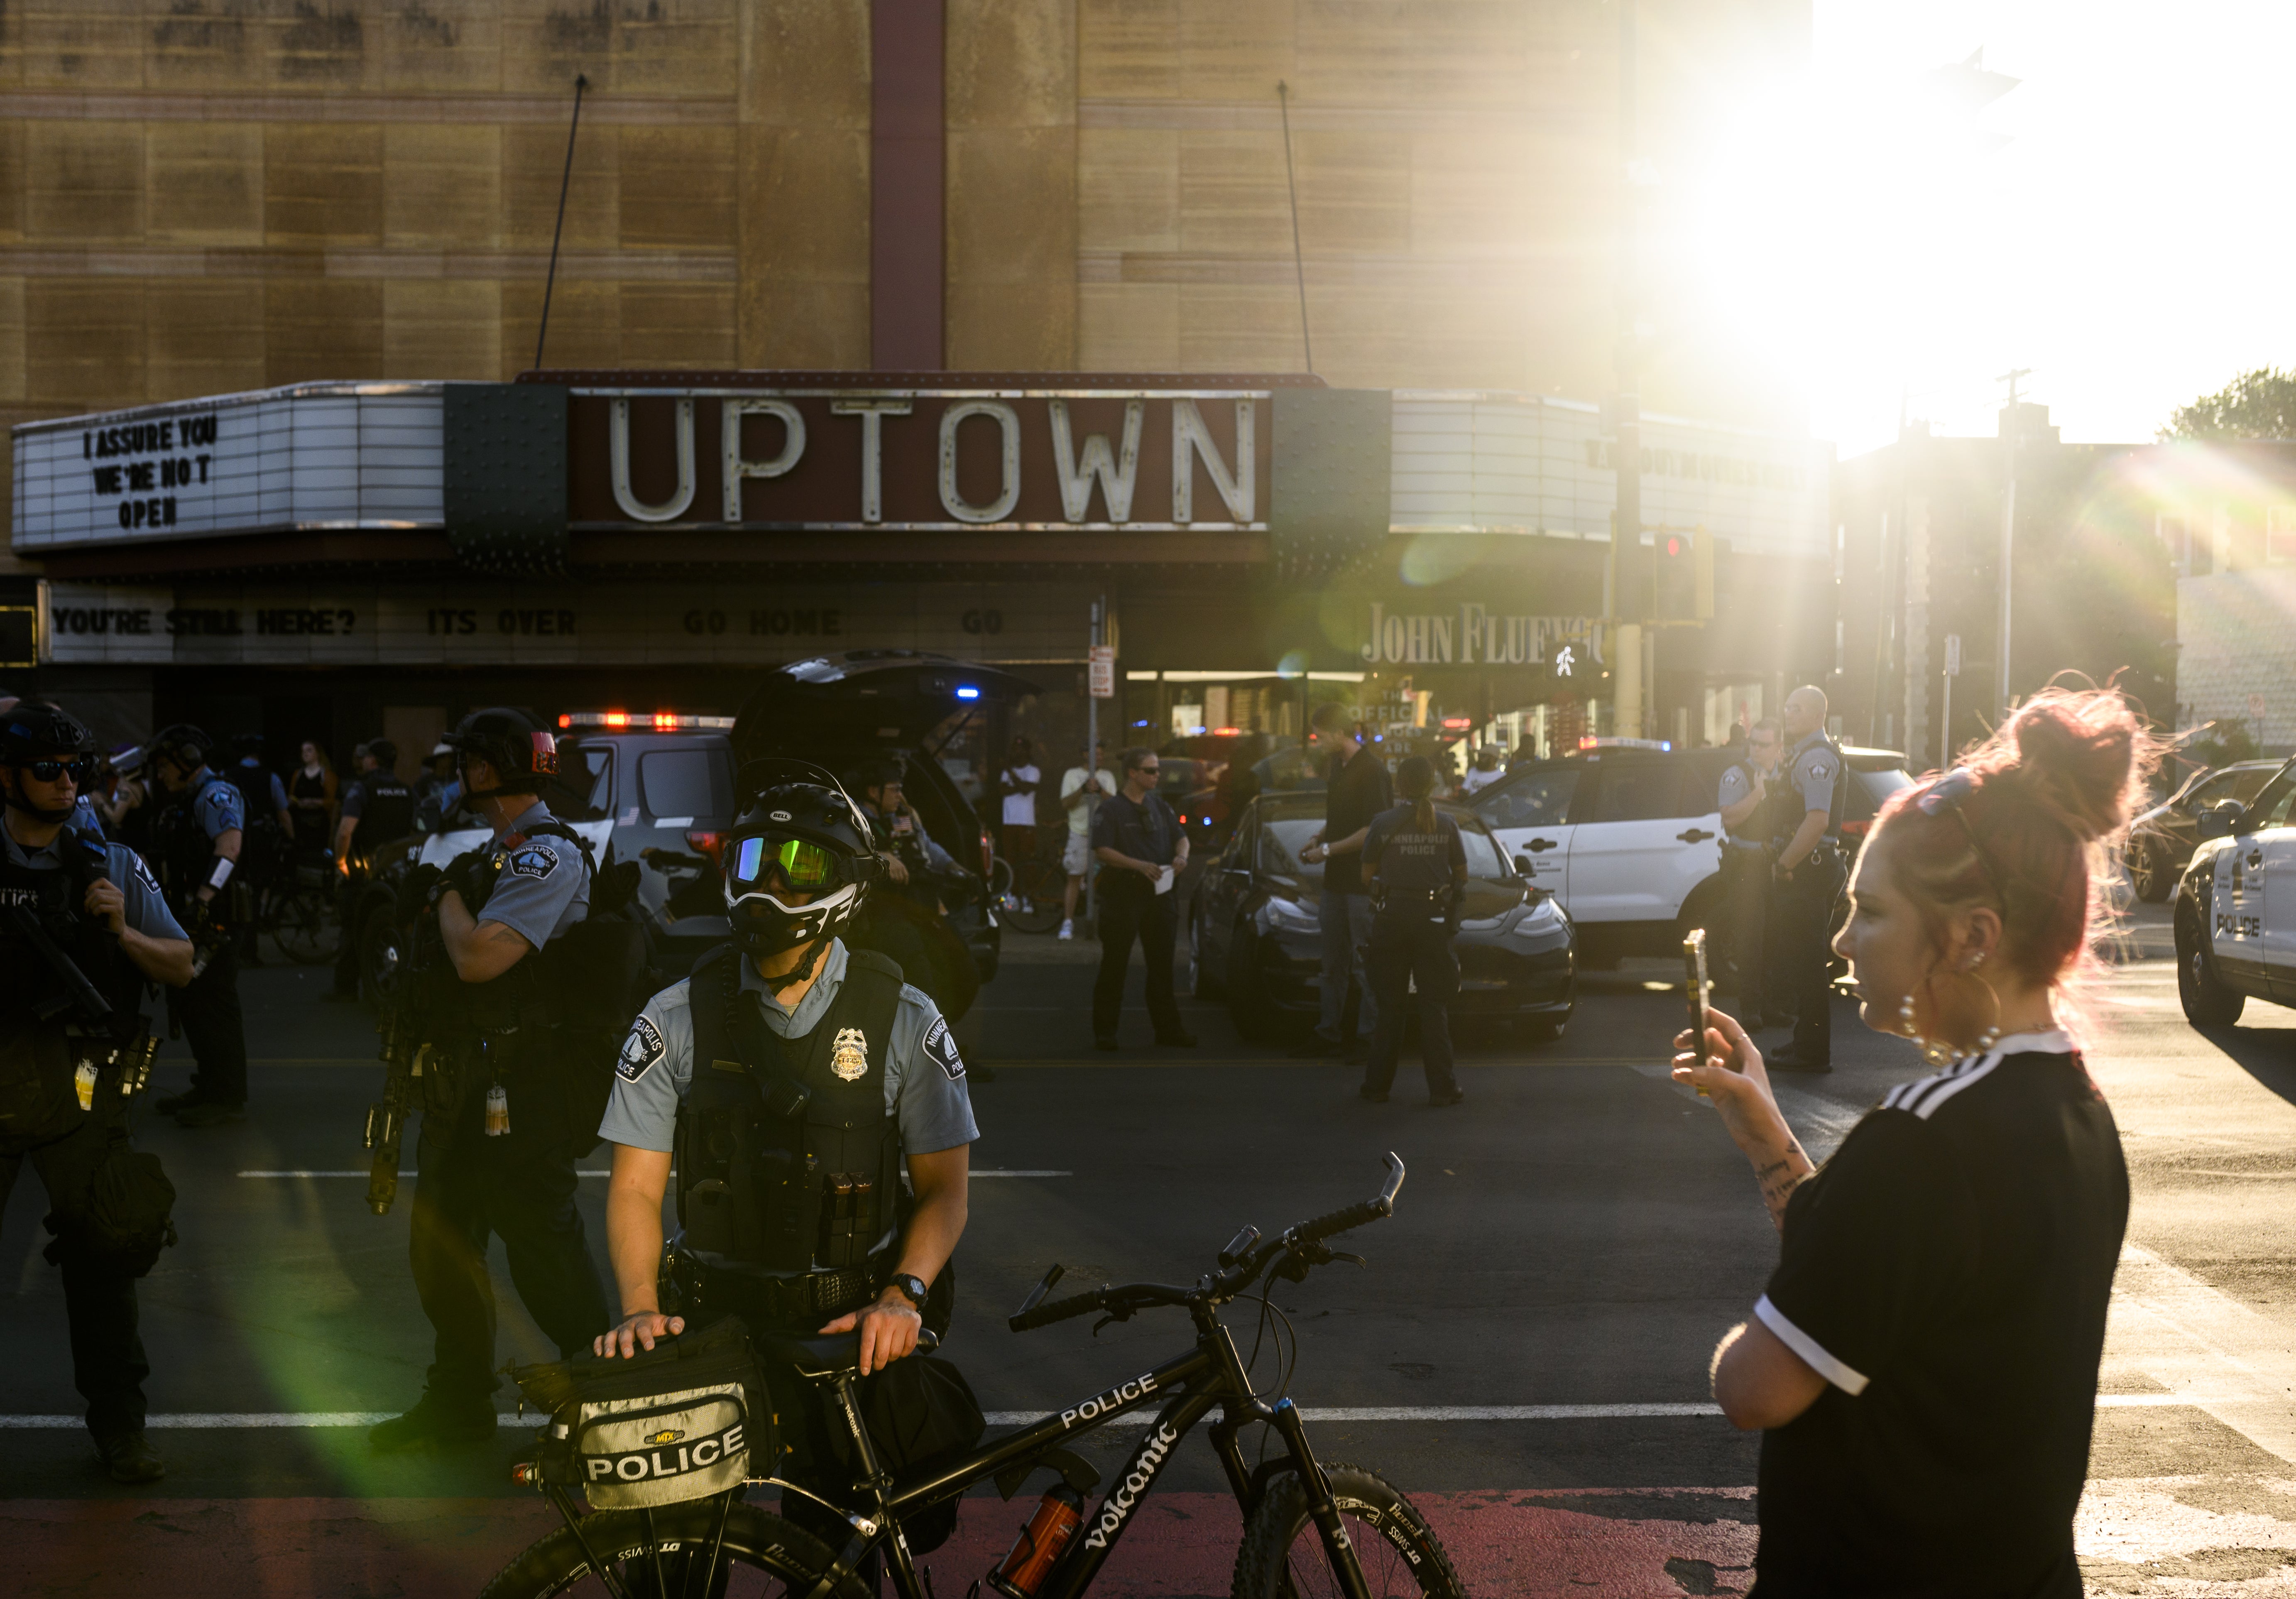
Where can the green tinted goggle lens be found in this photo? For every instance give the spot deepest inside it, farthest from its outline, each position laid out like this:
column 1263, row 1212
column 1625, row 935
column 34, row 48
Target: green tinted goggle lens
column 803, row 865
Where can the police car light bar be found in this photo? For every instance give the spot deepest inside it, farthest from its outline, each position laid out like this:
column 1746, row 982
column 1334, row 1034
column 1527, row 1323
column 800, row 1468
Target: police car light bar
column 661, row 721
column 1626, row 743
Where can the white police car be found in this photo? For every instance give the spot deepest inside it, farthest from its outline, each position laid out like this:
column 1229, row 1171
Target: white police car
column 1628, row 835
column 2236, row 909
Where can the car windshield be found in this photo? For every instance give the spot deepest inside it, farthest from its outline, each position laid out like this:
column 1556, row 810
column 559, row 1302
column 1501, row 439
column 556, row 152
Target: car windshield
column 693, row 784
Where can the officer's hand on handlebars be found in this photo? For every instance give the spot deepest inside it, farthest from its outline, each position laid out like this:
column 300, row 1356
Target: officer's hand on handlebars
column 634, row 1331
column 889, row 1330
column 104, row 900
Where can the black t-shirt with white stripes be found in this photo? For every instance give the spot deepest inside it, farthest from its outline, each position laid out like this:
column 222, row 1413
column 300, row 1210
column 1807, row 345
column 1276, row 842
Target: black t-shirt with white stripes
column 1947, row 1272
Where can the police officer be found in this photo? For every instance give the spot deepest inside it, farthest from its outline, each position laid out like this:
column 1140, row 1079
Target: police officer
column 1808, row 875
column 498, row 1142
column 911, row 856
column 1417, row 865
column 796, row 1079
column 378, row 809
column 1742, row 796
column 197, row 837
column 263, row 802
column 66, row 1069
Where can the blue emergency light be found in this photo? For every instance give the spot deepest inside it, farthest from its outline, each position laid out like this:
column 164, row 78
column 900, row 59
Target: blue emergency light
column 968, row 693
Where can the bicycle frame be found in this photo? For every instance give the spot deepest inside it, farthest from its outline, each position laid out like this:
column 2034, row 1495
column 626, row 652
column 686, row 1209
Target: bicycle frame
column 1209, row 1376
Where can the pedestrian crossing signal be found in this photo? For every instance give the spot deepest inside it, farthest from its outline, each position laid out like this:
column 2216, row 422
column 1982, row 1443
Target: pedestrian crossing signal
column 1685, row 578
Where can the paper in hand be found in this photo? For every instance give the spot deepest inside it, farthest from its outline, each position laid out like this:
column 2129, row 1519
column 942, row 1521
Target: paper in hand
column 1164, row 876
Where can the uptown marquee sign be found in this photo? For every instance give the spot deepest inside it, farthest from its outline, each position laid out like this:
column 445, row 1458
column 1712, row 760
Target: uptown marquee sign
column 960, row 458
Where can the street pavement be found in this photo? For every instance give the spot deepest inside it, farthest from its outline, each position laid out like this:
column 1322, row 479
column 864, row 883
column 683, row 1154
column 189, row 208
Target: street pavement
column 1524, row 1353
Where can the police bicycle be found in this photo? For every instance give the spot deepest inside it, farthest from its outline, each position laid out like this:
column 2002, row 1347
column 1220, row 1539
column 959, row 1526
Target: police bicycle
column 1310, row 1529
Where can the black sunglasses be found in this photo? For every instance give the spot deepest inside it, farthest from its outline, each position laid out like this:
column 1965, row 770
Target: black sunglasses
column 48, row 771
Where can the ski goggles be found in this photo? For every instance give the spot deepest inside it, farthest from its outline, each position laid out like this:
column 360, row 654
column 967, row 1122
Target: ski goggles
column 803, row 865
column 49, row 769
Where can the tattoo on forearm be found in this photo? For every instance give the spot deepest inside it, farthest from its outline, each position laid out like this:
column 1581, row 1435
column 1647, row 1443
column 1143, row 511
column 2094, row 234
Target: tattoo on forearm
column 1780, row 1177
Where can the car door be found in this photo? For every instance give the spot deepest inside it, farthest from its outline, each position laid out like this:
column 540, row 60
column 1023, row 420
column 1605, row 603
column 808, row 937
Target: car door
column 1641, row 841
column 2236, row 911
column 2276, row 846
column 1529, row 815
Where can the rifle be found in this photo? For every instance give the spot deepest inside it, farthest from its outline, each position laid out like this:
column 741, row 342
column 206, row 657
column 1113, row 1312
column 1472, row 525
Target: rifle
column 94, row 1010
column 386, row 1118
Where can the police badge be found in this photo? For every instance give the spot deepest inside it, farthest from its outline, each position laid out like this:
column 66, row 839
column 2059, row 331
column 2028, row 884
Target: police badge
column 849, row 1057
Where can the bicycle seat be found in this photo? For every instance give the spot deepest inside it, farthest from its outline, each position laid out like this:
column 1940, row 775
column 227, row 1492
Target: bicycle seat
column 813, row 1357
column 817, row 1357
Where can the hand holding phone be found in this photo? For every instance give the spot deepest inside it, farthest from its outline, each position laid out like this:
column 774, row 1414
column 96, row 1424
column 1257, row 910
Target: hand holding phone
column 1696, row 984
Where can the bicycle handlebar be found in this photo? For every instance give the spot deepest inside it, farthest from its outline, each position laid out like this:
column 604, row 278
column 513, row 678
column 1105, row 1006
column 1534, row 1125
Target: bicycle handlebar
column 1036, row 1312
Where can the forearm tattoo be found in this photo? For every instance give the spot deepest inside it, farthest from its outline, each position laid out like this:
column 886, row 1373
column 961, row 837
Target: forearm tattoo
column 1780, row 1177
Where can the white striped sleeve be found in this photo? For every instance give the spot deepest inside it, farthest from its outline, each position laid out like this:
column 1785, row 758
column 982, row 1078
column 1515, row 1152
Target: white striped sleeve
column 1814, row 1355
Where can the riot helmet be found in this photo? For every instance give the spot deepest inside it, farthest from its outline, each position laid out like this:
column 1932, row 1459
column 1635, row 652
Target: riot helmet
column 182, row 746
column 516, row 743
column 46, row 743
column 386, row 753
column 798, row 832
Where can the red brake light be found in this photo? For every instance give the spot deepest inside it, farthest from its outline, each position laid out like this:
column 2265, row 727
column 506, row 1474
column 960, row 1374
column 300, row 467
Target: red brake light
column 706, row 843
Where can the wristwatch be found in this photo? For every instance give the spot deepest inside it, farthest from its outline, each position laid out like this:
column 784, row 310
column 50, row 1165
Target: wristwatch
column 913, row 1288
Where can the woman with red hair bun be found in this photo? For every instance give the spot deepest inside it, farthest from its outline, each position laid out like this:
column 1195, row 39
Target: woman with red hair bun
column 1923, row 1362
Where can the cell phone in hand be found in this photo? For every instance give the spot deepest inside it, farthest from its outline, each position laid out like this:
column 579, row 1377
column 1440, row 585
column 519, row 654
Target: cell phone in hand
column 1695, row 981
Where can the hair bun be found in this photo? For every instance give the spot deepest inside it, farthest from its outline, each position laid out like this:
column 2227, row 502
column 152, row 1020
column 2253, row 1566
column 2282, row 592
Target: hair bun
column 2079, row 757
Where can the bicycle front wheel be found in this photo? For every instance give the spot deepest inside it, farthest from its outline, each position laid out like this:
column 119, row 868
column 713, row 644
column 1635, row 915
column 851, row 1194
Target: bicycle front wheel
column 299, row 922
column 764, row 1557
column 1283, row 1553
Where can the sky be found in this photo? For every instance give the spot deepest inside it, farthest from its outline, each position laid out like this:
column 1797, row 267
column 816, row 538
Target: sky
column 2131, row 242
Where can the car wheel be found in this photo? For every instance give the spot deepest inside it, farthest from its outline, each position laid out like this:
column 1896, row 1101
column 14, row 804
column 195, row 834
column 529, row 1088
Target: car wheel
column 1209, row 984
column 2149, row 874
column 2208, row 1002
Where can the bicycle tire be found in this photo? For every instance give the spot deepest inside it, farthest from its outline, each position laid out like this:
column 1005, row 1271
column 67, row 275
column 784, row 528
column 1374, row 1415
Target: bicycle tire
column 755, row 1538
column 1042, row 883
column 1281, row 1556
column 298, row 922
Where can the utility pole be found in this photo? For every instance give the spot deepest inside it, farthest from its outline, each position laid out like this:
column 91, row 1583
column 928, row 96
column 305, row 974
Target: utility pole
column 1628, row 593
column 2008, row 521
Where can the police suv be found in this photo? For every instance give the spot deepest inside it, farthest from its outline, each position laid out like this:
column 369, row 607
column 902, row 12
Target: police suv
column 1627, row 834
column 2235, row 908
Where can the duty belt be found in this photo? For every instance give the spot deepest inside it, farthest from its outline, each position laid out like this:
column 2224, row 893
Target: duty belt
column 795, row 1302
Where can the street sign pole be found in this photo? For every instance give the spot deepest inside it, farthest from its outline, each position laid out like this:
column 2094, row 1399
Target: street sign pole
column 1945, row 727
column 1100, row 683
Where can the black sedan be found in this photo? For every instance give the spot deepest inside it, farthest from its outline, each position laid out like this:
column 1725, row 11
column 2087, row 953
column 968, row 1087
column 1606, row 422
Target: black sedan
column 1255, row 930
column 2160, row 842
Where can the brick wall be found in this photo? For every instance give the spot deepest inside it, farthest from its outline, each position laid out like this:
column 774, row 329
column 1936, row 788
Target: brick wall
column 2236, row 638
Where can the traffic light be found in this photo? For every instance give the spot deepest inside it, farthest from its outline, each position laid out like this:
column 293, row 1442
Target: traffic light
column 1684, row 576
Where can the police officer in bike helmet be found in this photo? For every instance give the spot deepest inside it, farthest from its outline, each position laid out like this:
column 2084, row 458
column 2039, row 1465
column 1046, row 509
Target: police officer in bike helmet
column 490, row 987
column 73, row 907
column 791, row 1168
column 197, row 839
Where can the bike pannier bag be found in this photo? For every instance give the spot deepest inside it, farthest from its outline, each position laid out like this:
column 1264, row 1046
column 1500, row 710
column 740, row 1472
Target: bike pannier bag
column 686, row 1420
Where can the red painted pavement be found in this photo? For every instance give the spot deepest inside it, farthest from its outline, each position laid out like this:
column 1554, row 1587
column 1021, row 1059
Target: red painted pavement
column 1506, row 1545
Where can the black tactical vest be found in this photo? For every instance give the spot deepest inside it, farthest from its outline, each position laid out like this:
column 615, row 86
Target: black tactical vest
column 1784, row 806
column 535, row 991
column 388, row 815
column 38, row 1046
column 788, row 1159
column 181, row 848
column 254, row 786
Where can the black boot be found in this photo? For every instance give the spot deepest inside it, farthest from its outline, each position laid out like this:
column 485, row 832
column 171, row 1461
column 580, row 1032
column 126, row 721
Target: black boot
column 128, row 1458
column 435, row 1424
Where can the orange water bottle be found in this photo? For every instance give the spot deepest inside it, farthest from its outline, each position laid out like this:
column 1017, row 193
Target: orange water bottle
column 1058, row 1515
